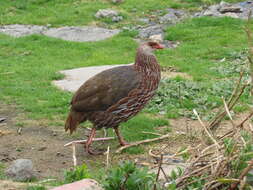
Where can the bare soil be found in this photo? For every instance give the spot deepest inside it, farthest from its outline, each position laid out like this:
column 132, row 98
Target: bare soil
column 45, row 145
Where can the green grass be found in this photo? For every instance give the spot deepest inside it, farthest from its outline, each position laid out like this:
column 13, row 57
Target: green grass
column 204, row 42
column 29, row 64
column 81, row 12
column 2, row 167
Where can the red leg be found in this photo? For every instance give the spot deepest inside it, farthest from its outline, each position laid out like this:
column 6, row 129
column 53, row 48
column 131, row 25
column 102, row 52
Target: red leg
column 122, row 142
column 89, row 141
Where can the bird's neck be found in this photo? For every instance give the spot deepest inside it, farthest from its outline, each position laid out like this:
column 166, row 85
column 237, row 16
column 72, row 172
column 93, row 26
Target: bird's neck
column 146, row 62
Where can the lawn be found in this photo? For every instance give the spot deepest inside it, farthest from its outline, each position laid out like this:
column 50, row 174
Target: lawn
column 81, row 12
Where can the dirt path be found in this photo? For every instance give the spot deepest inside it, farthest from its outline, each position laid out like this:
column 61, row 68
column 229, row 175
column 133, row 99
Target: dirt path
column 43, row 145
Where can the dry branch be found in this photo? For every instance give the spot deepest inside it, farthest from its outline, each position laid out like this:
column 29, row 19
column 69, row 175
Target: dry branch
column 142, row 142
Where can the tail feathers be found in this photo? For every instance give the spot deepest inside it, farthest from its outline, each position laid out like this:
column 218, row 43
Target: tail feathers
column 73, row 120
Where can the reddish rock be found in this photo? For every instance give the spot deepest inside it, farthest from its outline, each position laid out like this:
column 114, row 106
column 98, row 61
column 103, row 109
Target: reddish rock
column 85, row 184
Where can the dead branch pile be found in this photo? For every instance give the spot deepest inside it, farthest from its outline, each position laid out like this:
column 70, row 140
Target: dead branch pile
column 221, row 162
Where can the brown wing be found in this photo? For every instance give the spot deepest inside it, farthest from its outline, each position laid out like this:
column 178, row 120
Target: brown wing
column 105, row 89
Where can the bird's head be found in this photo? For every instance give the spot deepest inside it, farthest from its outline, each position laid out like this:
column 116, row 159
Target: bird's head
column 155, row 45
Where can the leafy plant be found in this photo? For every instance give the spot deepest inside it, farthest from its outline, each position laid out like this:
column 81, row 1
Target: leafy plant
column 78, row 173
column 127, row 176
column 181, row 96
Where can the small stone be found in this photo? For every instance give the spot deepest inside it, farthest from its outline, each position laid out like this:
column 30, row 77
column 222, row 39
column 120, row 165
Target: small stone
column 144, row 20
column 54, row 133
column 85, row 184
column 223, row 3
column 59, row 154
column 150, row 31
column 117, row 1
column 156, row 38
column 212, row 11
column 42, row 148
column 231, row 8
column 2, row 119
column 233, row 15
column 170, row 18
column 106, row 13
column 117, row 18
column 21, row 170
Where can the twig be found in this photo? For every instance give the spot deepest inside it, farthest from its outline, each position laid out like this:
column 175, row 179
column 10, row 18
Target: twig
column 84, row 141
column 145, row 132
column 107, row 156
column 228, row 112
column 158, row 172
column 206, row 130
column 250, row 45
column 74, row 154
column 247, row 118
column 142, row 142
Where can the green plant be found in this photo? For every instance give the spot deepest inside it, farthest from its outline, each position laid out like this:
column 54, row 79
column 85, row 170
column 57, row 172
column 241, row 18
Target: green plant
column 181, row 96
column 127, row 176
column 2, row 175
column 76, row 174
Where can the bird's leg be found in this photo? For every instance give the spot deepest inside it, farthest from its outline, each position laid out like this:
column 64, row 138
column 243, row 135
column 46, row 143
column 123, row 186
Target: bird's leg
column 89, row 141
column 122, row 142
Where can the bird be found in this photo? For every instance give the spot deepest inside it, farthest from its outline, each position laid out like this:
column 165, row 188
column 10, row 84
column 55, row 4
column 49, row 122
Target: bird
column 115, row 95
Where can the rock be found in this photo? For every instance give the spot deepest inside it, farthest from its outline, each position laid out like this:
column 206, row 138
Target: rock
column 230, row 8
column 81, row 34
column 144, row 20
column 170, row 18
column 150, row 31
column 2, row 119
column 85, row 184
column 70, row 33
column 117, row 1
column 233, row 15
column 223, row 3
column 19, row 30
column 117, row 18
column 106, row 13
column 212, row 11
column 21, row 170
column 76, row 77
column 156, row 38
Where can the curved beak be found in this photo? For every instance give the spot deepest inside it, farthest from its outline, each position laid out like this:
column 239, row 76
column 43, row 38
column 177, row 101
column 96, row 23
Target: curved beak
column 159, row 46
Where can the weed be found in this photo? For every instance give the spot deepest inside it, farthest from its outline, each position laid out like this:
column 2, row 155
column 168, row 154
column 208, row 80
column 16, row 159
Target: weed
column 180, row 96
column 78, row 173
column 128, row 176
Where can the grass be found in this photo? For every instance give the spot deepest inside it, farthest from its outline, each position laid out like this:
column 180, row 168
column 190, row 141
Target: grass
column 2, row 167
column 29, row 64
column 204, row 42
column 81, row 12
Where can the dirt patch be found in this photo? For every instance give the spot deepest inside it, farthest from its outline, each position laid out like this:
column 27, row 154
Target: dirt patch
column 43, row 145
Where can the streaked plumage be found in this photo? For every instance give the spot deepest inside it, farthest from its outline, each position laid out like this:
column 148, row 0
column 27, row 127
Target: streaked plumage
column 115, row 95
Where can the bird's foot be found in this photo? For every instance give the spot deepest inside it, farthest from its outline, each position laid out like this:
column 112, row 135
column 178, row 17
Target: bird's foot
column 123, row 143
